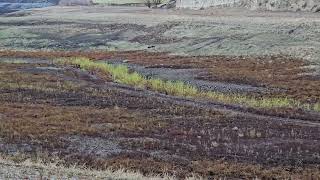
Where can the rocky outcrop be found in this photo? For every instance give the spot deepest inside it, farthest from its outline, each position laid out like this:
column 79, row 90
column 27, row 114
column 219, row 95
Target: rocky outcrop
column 199, row 4
column 167, row 5
column 284, row 5
column 270, row 5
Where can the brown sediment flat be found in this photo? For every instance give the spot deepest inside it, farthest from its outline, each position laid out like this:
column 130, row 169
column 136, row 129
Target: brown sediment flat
column 47, row 110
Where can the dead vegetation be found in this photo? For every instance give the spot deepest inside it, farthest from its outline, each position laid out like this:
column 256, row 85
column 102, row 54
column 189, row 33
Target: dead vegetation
column 11, row 169
column 57, row 111
column 99, row 119
column 290, row 74
column 121, row 74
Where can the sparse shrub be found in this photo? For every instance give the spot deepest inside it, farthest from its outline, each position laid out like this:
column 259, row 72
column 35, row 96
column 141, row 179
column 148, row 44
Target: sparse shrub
column 157, row 84
column 133, row 79
column 181, row 89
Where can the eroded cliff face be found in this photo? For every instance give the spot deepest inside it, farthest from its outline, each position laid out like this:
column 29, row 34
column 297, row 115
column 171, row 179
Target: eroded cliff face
column 284, row 5
column 271, row 5
column 198, row 4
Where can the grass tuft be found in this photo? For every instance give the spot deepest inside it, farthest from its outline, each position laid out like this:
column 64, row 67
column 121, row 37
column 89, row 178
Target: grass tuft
column 173, row 88
column 316, row 107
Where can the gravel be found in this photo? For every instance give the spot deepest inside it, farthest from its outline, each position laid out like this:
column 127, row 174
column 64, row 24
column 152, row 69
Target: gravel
column 189, row 76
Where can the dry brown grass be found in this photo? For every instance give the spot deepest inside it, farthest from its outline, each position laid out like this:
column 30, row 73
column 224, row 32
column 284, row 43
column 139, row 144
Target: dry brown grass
column 141, row 124
column 225, row 169
column 43, row 170
column 281, row 72
column 34, row 121
column 121, row 74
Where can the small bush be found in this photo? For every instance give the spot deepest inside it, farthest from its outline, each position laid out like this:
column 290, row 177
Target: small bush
column 157, row 85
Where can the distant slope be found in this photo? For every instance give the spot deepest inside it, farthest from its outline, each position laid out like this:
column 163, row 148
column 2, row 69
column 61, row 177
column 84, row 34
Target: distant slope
column 122, row 2
column 29, row 1
column 270, row 5
column 118, row 1
column 285, row 5
column 7, row 6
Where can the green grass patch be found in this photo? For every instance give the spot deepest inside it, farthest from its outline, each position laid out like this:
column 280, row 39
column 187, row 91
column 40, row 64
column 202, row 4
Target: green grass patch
column 121, row 74
column 172, row 87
